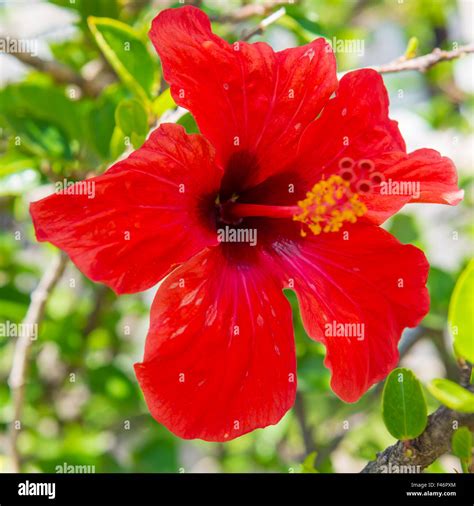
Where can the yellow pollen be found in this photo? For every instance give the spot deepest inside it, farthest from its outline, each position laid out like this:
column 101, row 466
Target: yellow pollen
column 328, row 205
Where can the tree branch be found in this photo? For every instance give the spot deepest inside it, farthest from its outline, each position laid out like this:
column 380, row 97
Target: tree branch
column 257, row 30
column 59, row 72
column 250, row 10
column 432, row 444
column 423, row 63
column 306, row 432
column 31, row 322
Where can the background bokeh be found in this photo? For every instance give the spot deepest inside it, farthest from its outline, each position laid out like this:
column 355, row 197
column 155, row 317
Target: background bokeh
column 83, row 405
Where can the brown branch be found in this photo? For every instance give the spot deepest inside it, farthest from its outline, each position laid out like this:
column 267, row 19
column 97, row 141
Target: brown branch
column 250, row 10
column 423, row 63
column 434, row 442
column 408, row 341
column 100, row 298
column 59, row 72
column 306, row 432
column 259, row 29
column 445, row 355
column 31, row 322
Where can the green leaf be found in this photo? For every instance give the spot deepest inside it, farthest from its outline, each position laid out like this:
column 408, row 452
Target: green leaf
column 189, row 123
column 14, row 161
column 117, row 143
column 127, row 54
column 461, row 443
column 404, row 228
column 43, row 120
column 308, row 463
column 86, row 8
column 132, row 119
column 102, row 123
column 440, row 285
column 412, row 48
column 461, row 314
column 40, row 138
column 44, row 103
column 163, row 103
column 403, row 405
column 452, row 395
column 73, row 52
column 305, row 29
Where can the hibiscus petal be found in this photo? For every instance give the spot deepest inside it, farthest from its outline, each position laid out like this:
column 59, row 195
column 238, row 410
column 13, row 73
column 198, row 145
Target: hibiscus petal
column 219, row 358
column 355, row 124
column 361, row 282
column 249, row 101
column 145, row 213
column 435, row 173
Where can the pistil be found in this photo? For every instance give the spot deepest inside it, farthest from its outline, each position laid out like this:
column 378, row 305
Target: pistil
column 247, row 210
column 327, row 206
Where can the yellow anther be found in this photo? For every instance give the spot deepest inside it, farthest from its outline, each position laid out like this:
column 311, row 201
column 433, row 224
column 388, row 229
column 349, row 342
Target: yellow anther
column 329, row 205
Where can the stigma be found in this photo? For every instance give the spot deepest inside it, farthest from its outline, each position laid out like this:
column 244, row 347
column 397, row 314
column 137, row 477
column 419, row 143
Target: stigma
column 329, row 205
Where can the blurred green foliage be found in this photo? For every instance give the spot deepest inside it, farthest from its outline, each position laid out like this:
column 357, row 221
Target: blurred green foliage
column 83, row 404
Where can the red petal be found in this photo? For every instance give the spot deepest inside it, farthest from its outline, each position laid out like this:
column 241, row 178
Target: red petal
column 201, row 378
column 367, row 279
column 243, row 93
column 146, row 215
column 355, row 124
column 435, row 173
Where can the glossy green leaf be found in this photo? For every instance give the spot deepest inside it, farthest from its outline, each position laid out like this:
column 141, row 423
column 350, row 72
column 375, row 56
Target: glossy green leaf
column 40, row 138
column 403, row 405
column 440, row 285
column 461, row 443
column 47, row 103
column 101, row 119
column 163, row 103
column 189, row 123
column 308, row 464
column 452, row 395
column 14, row 161
column 404, row 228
column 127, row 54
column 73, row 52
column 117, row 143
column 304, row 29
column 412, row 47
column 461, row 314
column 132, row 120
column 86, row 8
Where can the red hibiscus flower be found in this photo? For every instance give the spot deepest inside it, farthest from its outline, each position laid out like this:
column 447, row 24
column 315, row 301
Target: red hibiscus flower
column 285, row 188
